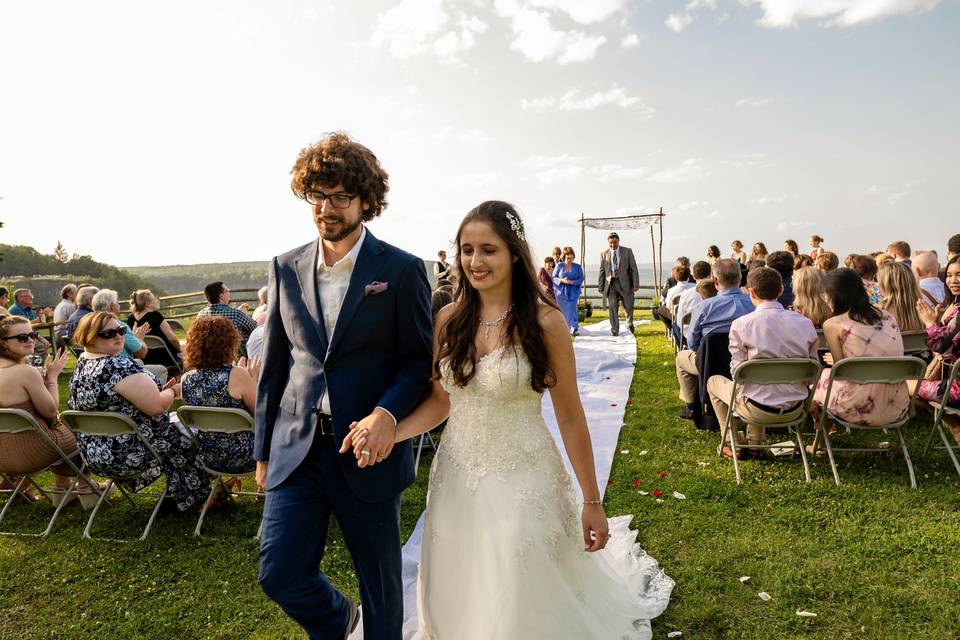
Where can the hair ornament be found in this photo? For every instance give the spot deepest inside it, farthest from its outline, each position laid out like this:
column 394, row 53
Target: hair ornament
column 515, row 225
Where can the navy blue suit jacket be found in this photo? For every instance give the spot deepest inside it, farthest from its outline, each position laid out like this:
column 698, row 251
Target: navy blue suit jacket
column 380, row 355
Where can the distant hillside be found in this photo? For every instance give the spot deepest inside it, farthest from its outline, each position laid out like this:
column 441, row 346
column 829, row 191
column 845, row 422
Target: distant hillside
column 183, row 278
column 22, row 266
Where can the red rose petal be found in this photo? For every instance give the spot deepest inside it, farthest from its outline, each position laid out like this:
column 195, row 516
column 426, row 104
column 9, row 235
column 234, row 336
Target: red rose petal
column 609, row 482
column 657, row 494
column 613, row 404
column 662, row 474
column 636, row 482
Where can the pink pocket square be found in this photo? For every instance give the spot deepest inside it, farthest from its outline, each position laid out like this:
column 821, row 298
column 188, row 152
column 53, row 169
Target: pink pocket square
column 374, row 288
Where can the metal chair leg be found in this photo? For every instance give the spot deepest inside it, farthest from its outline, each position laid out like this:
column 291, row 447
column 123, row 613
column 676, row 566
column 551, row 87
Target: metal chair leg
column 206, row 505
column 803, row 455
column 733, row 448
column 833, row 462
column 906, row 458
column 949, row 447
column 96, row 508
column 153, row 515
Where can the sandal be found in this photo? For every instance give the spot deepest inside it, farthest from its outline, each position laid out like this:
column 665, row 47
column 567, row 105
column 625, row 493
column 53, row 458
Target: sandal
column 26, row 492
column 222, row 493
column 727, row 452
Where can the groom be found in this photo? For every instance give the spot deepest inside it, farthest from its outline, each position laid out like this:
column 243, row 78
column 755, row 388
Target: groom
column 619, row 280
column 347, row 338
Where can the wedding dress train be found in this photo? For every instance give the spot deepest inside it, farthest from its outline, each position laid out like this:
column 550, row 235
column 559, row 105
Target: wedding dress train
column 502, row 552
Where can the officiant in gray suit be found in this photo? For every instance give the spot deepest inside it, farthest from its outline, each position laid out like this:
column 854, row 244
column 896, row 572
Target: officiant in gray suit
column 619, row 281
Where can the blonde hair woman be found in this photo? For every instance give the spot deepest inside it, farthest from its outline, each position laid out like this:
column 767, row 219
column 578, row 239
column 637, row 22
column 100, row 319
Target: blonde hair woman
column 899, row 294
column 809, row 295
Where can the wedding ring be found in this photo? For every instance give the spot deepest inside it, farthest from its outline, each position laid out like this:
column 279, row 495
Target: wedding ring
column 364, row 452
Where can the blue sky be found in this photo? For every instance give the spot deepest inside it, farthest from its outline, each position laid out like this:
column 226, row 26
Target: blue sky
column 159, row 135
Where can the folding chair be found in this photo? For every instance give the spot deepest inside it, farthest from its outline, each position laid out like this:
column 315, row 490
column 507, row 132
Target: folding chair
column 19, row 421
column 914, row 341
column 674, row 305
column 426, row 440
column 870, row 370
column 71, row 346
column 156, row 342
column 940, row 409
column 823, row 346
column 216, row 420
column 684, row 323
column 773, row 371
column 176, row 325
column 110, row 424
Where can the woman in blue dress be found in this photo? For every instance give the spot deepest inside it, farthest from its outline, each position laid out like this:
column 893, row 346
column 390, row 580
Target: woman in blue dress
column 568, row 282
column 212, row 380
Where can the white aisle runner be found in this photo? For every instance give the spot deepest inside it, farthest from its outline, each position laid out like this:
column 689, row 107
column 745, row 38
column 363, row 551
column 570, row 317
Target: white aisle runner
column 605, row 366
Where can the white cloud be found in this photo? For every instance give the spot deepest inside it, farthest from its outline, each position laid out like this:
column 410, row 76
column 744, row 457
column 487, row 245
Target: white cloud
column 753, row 103
column 762, row 200
column 544, row 162
column 693, row 204
column 629, row 41
column 835, row 13
column 687, row 171
column 423, row 27
column 566, row 168
column 581, row 48
column 678, row 21
column 575, row 100
column 476, row 180
column 536, row 39
column 582, row 11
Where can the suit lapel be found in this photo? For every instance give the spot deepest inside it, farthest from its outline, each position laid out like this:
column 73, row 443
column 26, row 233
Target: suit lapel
column 368, row 265
column 307, row 276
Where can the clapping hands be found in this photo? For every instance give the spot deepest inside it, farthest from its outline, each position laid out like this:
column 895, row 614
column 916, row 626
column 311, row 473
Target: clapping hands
column 927, row 313
column 56, row 364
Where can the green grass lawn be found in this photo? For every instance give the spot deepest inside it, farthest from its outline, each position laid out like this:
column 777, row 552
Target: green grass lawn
column 873, row 558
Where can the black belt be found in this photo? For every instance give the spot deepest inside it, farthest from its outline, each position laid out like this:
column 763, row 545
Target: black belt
column 324, row 423
column 779, row 410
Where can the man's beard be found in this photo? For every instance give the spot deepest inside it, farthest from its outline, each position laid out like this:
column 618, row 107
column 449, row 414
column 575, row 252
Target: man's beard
column 335, row 236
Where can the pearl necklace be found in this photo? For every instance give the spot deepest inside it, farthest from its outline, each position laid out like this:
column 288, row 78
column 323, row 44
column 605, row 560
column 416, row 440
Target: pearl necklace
column 495, row 323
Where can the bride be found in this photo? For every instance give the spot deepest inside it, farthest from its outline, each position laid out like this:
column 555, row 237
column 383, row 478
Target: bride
column 507, row 552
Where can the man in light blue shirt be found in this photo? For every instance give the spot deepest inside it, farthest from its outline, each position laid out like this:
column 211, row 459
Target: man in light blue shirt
column 714, row 314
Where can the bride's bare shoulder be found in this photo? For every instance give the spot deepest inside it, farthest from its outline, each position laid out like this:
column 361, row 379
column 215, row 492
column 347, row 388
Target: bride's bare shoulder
column 551, row 319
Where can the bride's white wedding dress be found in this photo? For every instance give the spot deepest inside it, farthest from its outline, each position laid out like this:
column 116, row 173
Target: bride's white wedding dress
column 502, row 554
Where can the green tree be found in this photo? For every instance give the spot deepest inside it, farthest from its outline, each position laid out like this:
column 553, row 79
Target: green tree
column 60, row 254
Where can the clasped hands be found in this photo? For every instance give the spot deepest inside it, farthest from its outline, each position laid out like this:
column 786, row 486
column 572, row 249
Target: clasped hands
column 372, row 438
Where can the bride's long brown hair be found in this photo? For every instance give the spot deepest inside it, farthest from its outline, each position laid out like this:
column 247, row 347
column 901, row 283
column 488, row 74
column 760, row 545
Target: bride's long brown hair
column 457, row 338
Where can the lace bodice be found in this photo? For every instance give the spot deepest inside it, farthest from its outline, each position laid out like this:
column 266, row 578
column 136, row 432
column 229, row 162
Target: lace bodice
column 495, row 421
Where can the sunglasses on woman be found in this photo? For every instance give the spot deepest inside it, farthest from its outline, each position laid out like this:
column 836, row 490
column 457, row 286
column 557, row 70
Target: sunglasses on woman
column 110, row 334
column 23, row 337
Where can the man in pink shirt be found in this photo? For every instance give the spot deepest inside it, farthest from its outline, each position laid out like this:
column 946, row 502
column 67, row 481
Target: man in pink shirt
column 769, row 332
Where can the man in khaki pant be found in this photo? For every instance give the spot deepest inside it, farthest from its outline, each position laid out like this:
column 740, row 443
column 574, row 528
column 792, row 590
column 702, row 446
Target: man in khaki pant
column 713, row 314
column 769, row 332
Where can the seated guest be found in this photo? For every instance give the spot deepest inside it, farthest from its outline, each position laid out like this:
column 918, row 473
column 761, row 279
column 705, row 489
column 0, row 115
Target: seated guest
column 759, row 252
column 900, row 251
column 926, row 268
column 681, row 276
column 900, row 293
column 827, row 261
column 106, row 301
column 546, row 276
column 22, row 386
column 213, row 381
column 218, row 295
column 255, row 341
column 801, row 261
column 567, row 283
column 769, row 332
column 671, row 281
column 738, row 253
column 84, row 306
column 782, row 263
column 816, row 246
column 858, row 329
column 706, row 289
column 145, row 310
column 440, row 298
column 67, row 305
column 714, row 314
column 943, row 337
column 791, row 247
column 106, row 380
column 690, row 298
column 22, row 306
column 866, row 268
column 713, row 254
column 809, row 298
column 4, row 301
column 883, row 258
column 262, row 307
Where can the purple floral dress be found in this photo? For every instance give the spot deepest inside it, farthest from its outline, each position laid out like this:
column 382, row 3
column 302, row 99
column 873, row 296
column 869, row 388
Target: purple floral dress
column 867, row 404
column 944, row 338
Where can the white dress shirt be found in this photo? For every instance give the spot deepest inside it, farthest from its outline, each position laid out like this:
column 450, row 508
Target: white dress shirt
column 332, row 285
column 934, row 287
column 689, row 300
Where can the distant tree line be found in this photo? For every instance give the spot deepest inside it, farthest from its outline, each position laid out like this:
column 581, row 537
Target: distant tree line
column 24, row 266
column 184, row 278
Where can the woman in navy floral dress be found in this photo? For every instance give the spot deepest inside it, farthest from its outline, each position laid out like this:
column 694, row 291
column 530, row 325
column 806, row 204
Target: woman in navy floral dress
column 105, row 380
column 213, row 381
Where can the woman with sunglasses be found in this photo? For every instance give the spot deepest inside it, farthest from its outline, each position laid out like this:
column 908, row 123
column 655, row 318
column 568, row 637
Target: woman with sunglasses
column 106, row 380
column 23, row 387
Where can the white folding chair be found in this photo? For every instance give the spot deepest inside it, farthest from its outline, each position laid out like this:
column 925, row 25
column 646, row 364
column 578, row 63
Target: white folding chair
column 111, row 424
column 176, row 325
column 425, row 440
column 216, row 420
column 773, row 371
column 19, row 421
column 871, row 370
column 941, row 408
column 914, row 342
column 156, row 342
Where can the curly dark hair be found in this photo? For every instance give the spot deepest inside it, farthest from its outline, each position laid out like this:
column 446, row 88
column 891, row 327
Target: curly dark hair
column 457, row 338
column 337, row 159
column 212, row 341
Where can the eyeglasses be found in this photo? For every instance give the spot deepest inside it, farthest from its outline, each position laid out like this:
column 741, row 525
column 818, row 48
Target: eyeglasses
column 110, row 334
column 338, row 200
column 23, row 337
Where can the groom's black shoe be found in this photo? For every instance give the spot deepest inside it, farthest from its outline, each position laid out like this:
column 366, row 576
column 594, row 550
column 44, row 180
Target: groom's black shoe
column 687, row 413
column 353, row 617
